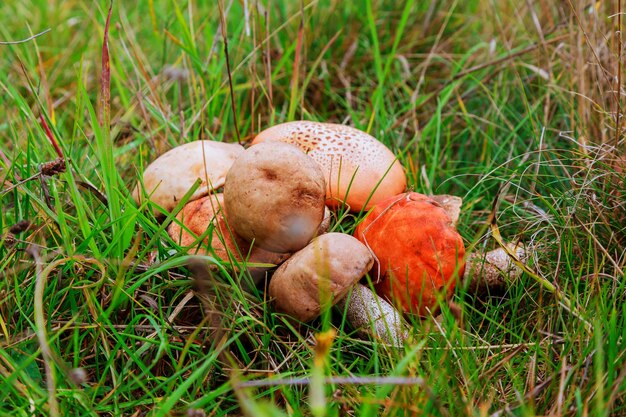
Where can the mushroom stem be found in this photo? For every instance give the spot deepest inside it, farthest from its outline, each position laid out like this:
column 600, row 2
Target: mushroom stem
column 370, row 315
column 493, row 269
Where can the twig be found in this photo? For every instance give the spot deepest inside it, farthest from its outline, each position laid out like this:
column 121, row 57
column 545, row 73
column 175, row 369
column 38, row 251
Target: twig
column 50, row 136
column 230, row 77
column 337, row 380
column 296, row 67
column 268, row 61
column 89, row 187
column 508, row 57
column 25, row 40
column 603, row 71
column 40, row 328
column 618, row 90
column 545, row 284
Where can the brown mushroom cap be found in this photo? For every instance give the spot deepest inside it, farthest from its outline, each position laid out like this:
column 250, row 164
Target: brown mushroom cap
column 198, row 215
column 319, row 275
column 353, row 162
column 274, row 195
column 169, row 177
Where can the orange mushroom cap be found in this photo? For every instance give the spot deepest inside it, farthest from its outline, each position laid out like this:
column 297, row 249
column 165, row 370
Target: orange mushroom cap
column 419, row 252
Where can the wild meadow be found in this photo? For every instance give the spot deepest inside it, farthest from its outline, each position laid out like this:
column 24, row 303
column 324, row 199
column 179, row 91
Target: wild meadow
column 515, row 106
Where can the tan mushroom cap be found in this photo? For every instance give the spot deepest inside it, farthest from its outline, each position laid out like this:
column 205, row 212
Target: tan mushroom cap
column 353, row 161
column 274, row 196
column 198, row 215
column 319, row 275
column 169, row 177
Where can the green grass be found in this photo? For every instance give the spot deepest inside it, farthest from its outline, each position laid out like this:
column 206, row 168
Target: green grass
column 477, row 98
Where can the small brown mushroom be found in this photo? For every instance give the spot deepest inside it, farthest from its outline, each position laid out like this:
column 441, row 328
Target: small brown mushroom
column 198, row 216
column 319, row 275
column 274, row 196
column 169, row 177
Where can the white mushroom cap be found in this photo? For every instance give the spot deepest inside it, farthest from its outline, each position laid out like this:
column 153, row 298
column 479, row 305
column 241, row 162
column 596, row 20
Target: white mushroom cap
column 319, row 275
column 353, row 161
column 169, row 177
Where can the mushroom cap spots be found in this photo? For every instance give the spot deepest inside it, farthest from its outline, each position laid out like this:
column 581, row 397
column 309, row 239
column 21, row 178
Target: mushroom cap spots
column 274, row 196
column 419, row 252
column 354, row 163
column 319, row 275
column 169, row 177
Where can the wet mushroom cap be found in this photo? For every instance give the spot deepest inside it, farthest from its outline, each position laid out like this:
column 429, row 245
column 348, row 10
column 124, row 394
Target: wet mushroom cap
column 355, row 164
column 419, row 252
column 274, row 196
column 319, row 275
column 198, row 216
column 169, row 177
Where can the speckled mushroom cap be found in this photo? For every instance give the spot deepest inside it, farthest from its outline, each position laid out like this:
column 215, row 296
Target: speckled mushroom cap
column 319, row 275
column 353, row 161
column 169, row 177
column 198, row 215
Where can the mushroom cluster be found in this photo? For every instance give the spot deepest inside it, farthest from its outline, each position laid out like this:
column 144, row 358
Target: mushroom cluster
column 275, row 211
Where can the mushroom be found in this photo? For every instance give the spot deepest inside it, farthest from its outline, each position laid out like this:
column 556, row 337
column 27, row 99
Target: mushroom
column 419, row 252
column 319, row 275
column 360, row 171
column 169, row 177
column 372, row 316
column 198, row 216
column 274, row 196
column 492, row 270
